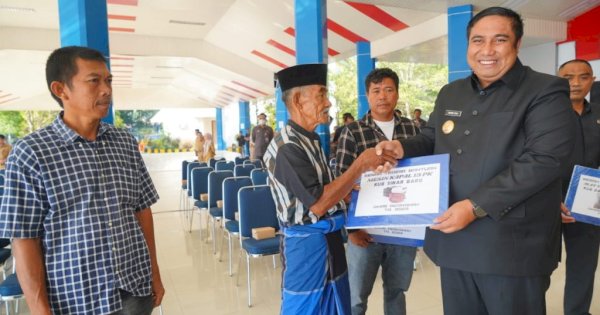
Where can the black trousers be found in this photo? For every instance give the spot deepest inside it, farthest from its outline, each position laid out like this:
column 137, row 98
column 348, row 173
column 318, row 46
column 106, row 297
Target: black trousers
column 467, row 293
column 581, row 243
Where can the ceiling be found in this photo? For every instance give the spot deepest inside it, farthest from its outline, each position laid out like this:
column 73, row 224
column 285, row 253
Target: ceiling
column 208, row 53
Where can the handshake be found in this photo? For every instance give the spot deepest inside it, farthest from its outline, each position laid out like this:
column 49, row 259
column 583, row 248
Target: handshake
column 382, row 157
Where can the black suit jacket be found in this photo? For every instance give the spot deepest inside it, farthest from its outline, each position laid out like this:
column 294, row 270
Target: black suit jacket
column 508, row 147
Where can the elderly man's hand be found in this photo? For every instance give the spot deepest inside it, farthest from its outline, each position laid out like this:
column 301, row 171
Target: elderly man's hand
column 394, row 147
column 369, row 160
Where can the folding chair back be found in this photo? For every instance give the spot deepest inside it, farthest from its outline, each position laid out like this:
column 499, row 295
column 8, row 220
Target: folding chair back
column 200, row 181
column 256, row 209
column 243, row 170
column 224, row 166
column 215, row 186
column 231, row 187
column 259, row 176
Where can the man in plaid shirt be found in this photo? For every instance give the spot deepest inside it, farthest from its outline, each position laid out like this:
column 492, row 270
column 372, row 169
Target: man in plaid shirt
column 77, row 202
column 364, row 256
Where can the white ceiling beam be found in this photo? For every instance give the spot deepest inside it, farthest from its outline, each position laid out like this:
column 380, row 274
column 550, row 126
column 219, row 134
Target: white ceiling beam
column 428, row 30
column 19, row 38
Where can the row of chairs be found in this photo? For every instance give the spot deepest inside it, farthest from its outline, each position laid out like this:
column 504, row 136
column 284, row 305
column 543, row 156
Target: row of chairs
column 242, row 190
column 214, row 163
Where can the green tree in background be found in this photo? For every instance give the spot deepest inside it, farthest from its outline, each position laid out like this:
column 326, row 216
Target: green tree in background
column 36, row 119
column 22, row 123
column 136, row 119
column 265, row 105
column 119, row 122
column 270, row 111
column 419, row 85
column 137, row 122
column 342, row 86
column 11, row 123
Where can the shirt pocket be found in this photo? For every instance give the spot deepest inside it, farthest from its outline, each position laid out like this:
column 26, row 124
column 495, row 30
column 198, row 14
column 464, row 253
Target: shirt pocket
column 127, row 184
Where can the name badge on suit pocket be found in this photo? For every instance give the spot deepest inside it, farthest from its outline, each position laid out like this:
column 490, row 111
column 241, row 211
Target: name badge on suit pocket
column 452, row 113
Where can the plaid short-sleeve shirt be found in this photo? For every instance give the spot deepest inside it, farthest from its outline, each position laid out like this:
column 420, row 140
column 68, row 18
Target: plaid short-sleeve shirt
column 363, row 134
column 80, row 197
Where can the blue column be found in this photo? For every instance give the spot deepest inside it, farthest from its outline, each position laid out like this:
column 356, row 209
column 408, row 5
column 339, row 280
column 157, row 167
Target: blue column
column 458, row 18
column 281, row 112
column 245, row 123
column 219, row 136
column 85, row 23
column 311, row 43
column 364, row 65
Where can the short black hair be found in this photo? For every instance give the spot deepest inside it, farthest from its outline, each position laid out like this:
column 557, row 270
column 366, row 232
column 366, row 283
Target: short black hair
column 516, row 20
column 347, row 116
column 2, row 137
column 575, row 60
column 263, row 114
column 61, row 65
column 377, row 75
column 418, row 110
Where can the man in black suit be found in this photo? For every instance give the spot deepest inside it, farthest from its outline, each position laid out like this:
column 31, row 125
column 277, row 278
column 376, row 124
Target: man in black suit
column 581, row 239
column 509, row 131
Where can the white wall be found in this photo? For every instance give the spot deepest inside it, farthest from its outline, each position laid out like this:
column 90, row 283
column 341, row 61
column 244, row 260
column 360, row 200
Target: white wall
column 180, row 123
column 566, row 52
column 541, row 58
column 231, row 123
column 596, row 68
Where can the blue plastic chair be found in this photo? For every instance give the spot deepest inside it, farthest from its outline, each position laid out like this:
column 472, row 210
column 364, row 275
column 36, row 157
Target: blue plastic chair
column 199, row 182
column 256, row 209
column 256, row 163
column 10, row 290
column 231, row 227
column 184, row 174
column 242, row 170
column 213, row 161
column 240, row 160
column 224, row 166
column 259, row 176
column 183, row 190
column 188, row 191
column 190, row 167
column 215, row 192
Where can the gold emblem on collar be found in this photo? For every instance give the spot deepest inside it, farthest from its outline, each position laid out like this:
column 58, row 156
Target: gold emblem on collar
column 448, row 126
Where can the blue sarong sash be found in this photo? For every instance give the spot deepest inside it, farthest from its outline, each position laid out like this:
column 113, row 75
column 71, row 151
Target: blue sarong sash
column 315, row 275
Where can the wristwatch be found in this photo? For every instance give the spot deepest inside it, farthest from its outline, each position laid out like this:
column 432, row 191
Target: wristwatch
column 478, row 211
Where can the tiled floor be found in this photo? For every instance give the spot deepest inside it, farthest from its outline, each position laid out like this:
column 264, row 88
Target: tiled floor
column 197, row 283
